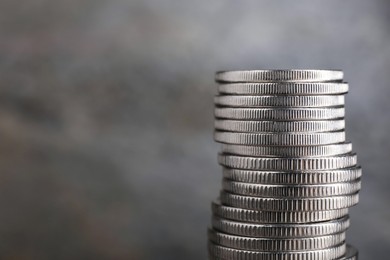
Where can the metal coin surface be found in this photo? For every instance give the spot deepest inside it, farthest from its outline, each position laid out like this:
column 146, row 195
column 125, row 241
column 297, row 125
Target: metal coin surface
column 291, row 191
column 290, row 177
column 222, row 252
column 267, row 244
column 280, row 139
column 281, row 230
column 288, row 151
column 283, row 88
column 279, row 76
column 291, row 164
column 279, row 126
column 280, row 114
column 279, row 101
column 255, row 216
column 289, row 204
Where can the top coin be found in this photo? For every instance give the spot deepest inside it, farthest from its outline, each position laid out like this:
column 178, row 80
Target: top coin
column 279, row 76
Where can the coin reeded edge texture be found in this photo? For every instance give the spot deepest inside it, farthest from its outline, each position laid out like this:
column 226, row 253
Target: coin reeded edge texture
column 279, row 101
column 277, row 244
column 279, row 126
column 280, row 139
column 280, row 114
column 237, row 254
column 291, row 191
column 289, row 204
column 281, row 230
column 289, row 177
column 282, row 163
column 287, row 151
column 279, row 75
column 256, row 216
column 283, row 88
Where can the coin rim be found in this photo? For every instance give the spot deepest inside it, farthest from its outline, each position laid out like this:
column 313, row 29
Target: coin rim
column 287, row 151
column 280, row 114
column 285, row 177
column 280, row 139
column 279, row 101
column 292, row 164
column 281, row 230
column 285, row 88
column 289, row 204
column 274, row 217
column 260, row 126
column 276, row 244
column 237, row 254
column 291, row 191
column 280, row 75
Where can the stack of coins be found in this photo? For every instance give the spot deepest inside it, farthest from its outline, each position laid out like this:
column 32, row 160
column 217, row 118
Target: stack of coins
column 289, row 176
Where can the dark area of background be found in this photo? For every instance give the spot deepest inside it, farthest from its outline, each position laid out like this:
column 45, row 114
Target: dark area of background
column 106, row 116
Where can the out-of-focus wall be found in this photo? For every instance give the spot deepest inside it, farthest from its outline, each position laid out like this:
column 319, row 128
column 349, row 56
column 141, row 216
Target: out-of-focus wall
column 106, row 116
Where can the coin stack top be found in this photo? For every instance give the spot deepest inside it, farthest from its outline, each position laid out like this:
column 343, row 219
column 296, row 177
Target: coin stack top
column 289, row 175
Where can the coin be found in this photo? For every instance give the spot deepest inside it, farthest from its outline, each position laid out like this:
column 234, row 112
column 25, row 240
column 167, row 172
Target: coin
column 291, row 191
column 280, row 114
column 236, row 254
column 279, row 101
column 279, row 76
column 247, row 215
column 281, row 230
column 291, row 164
column 283, row 89
column 288, row 151
column 280, row 139
column 277, row 244
column 289, row 204
column 279, row 126
column 289, row 177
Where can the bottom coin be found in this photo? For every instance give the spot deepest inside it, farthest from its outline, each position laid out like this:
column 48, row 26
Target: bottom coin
column 220, row 252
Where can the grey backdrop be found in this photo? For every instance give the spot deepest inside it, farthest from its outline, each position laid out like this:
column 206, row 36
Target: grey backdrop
column 106, row 116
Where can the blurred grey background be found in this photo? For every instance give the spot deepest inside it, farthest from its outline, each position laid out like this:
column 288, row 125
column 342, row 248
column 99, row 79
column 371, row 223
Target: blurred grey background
column 106, row 116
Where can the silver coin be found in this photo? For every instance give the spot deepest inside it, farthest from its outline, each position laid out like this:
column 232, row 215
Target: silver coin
column 352, row 253
column 288, row 151
column 279, row 126
column 289, row 177
column 291, row 164
column 291, row 191
column 280, row 114
column 281, row 230
column 283, row 88
column 226, row 253
column 280, row 139
column 289, row 204
column 269, row 244
column 279, row 101
column 279, row 76
column 255, row 216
